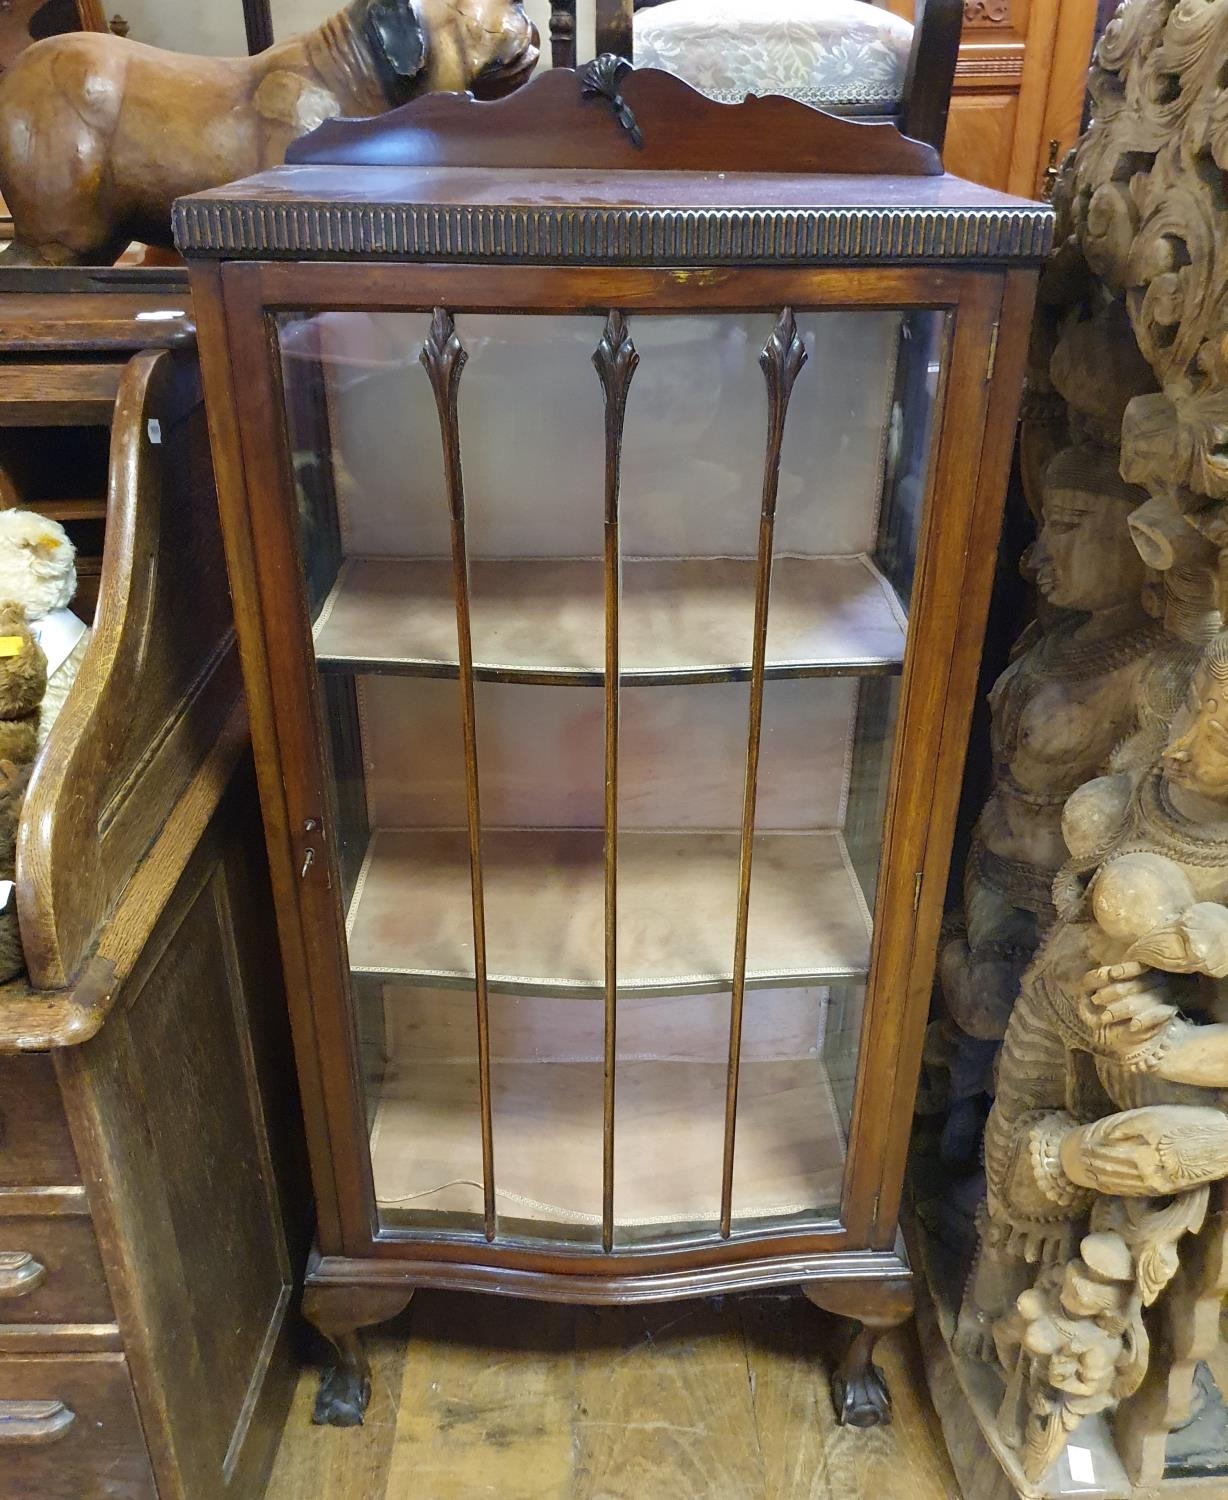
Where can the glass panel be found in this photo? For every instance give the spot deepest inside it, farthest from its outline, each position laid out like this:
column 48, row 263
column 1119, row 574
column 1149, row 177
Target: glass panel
column 496, row 1117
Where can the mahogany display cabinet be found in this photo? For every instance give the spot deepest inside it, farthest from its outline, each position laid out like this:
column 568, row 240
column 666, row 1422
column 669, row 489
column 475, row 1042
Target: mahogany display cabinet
column 611, row 481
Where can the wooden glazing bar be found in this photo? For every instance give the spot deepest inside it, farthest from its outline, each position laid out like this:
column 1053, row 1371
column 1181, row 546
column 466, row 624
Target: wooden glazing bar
column 443, row 356
column 783, row 356
column 615, row 359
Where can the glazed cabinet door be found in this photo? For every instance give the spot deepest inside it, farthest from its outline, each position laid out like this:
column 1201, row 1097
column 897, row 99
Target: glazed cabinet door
column 613, row 626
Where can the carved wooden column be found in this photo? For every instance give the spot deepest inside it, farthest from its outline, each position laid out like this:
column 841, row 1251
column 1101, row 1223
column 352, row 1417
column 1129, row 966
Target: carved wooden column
column 1094, row 1299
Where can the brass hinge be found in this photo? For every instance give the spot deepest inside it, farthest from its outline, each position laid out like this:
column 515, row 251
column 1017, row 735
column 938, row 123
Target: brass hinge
column 992, row 361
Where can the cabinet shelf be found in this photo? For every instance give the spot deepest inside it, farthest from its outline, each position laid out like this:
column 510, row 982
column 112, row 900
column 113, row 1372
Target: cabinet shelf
column 682, row 620
column 426, row 1152
column 410, row 915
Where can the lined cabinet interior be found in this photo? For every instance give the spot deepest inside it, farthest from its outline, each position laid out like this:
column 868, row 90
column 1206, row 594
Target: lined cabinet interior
column 609, row 617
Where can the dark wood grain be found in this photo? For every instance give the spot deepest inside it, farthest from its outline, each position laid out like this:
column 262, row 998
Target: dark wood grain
column 58, row 394
column 114, row 322
column 72, row 1287
column 98, row 1451
column 35, row 1146
column 549, row 124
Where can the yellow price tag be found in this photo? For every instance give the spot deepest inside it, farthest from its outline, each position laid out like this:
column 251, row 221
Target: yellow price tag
column 11, row 645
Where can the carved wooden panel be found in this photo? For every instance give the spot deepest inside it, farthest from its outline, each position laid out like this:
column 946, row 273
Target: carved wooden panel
column 987, row 12
column 193, row 1229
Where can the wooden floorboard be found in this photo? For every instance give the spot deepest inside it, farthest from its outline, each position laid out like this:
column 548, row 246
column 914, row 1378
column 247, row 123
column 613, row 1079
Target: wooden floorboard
column 722, row 1400
column 487, row 1402
column 666, row 1405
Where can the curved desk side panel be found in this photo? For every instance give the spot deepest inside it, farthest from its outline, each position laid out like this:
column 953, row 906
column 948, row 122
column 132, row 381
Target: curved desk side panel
column 158, row 683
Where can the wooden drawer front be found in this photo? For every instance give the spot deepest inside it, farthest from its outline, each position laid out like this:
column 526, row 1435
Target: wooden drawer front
column 35, row 1146
column 69, row 1430
column 50, row 1272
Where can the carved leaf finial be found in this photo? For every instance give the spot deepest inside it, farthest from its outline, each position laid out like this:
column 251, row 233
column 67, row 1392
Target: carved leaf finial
column 783, row 356
column 600, row 81
column 616, row 357
column 443, row 355
column 615, row 360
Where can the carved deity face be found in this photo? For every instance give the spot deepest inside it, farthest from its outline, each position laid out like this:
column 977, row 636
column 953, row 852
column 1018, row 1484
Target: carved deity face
column 1196, row 756
column 1084, row 557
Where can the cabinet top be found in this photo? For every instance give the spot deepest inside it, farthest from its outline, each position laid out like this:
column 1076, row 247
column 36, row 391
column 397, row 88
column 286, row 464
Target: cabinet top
column 611, row 166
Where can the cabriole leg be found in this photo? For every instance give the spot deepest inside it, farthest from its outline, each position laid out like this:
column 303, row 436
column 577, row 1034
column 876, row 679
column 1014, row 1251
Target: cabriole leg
column 338, row 1312
column 858, row 1388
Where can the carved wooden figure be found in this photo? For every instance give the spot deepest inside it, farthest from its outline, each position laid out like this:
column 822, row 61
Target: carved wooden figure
column 1107, row 1148
column 99, row 135
column 1077, row 688
column 1114, row 1077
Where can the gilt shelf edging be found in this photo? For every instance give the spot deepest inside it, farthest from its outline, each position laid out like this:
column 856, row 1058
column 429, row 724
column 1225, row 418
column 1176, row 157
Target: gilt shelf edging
column 610, row 235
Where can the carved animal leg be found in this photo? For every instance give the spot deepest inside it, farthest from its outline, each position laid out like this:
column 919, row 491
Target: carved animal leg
column 338, row 1312
column 858, row 1388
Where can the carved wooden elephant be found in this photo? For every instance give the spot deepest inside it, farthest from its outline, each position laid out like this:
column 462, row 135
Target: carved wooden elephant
column 99, row 135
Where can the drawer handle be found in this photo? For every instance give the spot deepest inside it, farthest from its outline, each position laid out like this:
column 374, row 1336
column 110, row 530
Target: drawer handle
column 20, row 1273
column 29, row 1423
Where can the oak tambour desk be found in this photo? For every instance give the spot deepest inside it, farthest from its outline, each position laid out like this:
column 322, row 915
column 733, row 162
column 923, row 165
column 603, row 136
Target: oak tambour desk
column 611, row 481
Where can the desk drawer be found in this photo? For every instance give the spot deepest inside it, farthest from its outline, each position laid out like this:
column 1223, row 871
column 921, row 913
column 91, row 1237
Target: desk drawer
column 69, row 1430
column 35, row 1146
column 50, row 1272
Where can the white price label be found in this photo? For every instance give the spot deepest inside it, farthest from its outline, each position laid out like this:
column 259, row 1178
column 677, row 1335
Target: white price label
column 1082, row 1469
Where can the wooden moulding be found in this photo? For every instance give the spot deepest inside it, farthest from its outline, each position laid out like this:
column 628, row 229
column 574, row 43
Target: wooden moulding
column 552, row 174
column 135, row 765
column 591, row 1281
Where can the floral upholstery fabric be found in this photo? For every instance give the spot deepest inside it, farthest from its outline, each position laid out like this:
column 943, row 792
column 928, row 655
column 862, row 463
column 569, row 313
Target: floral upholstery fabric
column 842, row 55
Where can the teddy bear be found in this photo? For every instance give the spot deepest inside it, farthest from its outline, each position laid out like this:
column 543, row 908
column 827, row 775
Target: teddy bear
column 38, row 571
column 23, row 681
column 13, row 782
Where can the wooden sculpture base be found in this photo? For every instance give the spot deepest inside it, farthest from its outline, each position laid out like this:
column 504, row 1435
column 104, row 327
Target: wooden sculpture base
column 967, row 1393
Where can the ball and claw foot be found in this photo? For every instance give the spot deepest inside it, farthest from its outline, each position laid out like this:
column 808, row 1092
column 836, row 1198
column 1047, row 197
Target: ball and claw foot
column 342, row 1398
column 859, row 1391
column 338, row 1312
column 865, row 1402
column 859, row 1388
